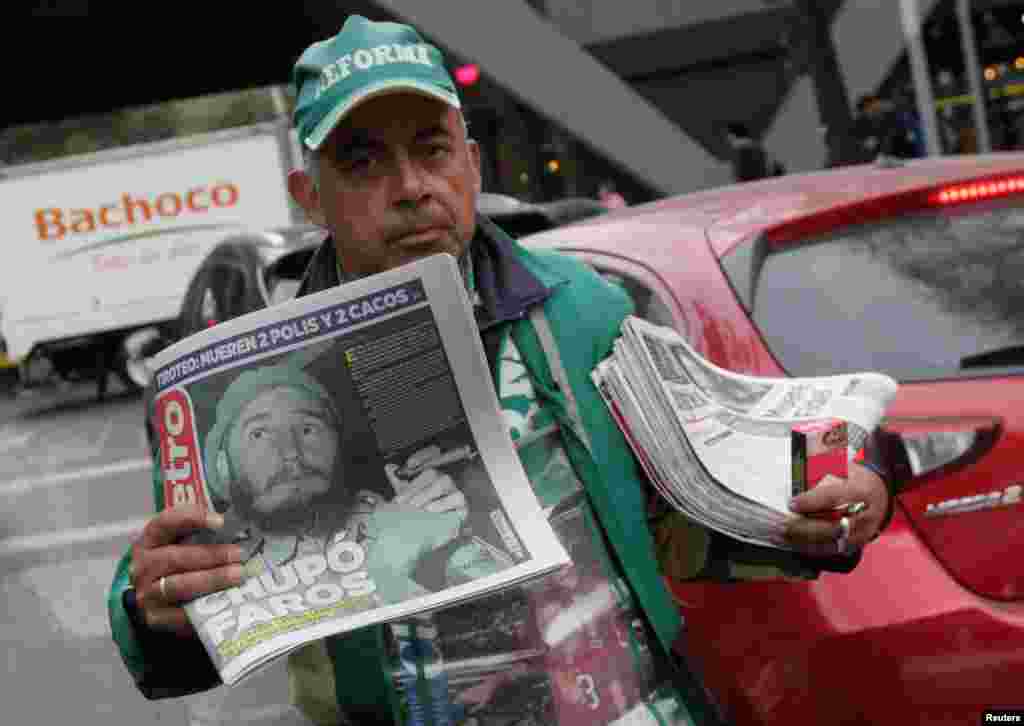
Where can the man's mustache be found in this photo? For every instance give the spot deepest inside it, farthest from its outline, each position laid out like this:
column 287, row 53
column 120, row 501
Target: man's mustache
column 416, row 225
column 294, row 472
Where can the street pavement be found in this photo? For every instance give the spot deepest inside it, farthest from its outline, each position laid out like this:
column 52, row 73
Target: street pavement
column 74, row 492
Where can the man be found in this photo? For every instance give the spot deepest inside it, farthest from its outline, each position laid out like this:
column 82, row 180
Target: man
column 393, row 176
column 271, row 460
column 274, row 469
column 609, row 196
column 881, row 127
column 750, row 161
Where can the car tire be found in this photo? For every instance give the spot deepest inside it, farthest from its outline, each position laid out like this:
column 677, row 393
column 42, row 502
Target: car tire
column 120, row 369
column 227, row 284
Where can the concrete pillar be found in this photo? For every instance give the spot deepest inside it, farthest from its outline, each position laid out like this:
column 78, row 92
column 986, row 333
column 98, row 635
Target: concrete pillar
column 530, row 58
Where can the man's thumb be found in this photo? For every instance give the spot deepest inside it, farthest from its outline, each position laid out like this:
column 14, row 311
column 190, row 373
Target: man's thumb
column 828, row 494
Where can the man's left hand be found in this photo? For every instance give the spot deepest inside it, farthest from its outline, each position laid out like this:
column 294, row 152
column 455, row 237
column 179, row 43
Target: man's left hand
column 814, row 534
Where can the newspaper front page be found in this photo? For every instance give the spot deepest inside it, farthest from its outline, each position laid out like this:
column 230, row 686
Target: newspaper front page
column 336, row 434
column 715, row 443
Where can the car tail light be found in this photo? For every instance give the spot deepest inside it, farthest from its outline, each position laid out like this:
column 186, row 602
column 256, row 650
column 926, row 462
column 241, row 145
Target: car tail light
column 878, row 208
column 978, row 190
column 930, row 445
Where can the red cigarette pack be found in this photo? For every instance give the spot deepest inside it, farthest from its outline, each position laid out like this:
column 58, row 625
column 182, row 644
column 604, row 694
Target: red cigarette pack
column 819, row 448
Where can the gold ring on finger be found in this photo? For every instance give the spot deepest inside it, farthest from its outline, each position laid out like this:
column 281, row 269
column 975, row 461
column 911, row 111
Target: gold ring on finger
column 856, row 508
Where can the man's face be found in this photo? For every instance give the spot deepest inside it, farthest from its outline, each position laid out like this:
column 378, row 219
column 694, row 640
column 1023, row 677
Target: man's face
column 285, row 447
column 398, row 181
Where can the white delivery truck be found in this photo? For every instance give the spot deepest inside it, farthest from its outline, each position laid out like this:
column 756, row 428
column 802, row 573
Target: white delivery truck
column 101, row 247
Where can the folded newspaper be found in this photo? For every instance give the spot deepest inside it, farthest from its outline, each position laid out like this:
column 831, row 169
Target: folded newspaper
column 719, row 446
column 355, row 444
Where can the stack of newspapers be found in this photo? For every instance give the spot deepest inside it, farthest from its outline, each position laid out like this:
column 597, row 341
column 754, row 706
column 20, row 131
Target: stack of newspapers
column 717, row 444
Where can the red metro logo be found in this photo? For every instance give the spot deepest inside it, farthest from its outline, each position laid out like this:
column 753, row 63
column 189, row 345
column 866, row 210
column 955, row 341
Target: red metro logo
column 179, row 451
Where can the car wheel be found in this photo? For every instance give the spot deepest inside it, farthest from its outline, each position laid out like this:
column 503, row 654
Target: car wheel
column 121, row 363
column 229, row 283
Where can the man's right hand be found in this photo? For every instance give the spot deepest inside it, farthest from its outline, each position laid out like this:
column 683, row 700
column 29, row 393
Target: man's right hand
column 189, row 570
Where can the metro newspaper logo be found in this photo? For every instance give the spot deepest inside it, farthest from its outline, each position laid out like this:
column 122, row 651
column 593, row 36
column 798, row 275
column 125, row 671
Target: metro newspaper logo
column 179, row 451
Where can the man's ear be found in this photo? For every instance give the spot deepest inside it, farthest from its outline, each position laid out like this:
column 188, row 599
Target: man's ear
column 305, row 193
column 474, row 159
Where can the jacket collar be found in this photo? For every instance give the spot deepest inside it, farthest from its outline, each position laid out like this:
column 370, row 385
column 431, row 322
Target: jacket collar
column 508, row 284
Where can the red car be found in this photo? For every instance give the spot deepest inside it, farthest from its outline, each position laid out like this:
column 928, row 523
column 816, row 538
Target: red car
column 915, row 270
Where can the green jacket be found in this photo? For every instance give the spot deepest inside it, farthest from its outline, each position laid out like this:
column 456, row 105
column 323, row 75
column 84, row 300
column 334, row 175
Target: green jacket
column 583, row 314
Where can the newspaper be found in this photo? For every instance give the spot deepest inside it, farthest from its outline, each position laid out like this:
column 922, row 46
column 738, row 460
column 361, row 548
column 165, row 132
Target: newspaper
column 716, row 444
column 335, row 432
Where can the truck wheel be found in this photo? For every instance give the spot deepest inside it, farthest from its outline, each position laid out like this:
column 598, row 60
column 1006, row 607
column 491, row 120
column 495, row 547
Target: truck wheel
column 227, row 284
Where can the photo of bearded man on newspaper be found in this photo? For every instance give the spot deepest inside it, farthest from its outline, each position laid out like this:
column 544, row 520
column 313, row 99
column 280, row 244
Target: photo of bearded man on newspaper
column 280, row 467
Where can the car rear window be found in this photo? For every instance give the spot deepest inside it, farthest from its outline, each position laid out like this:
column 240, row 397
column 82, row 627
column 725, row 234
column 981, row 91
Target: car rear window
column 917, row 297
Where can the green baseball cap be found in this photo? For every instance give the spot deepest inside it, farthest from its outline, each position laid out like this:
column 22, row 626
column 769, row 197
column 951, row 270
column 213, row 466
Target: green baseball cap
column 364, row 60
